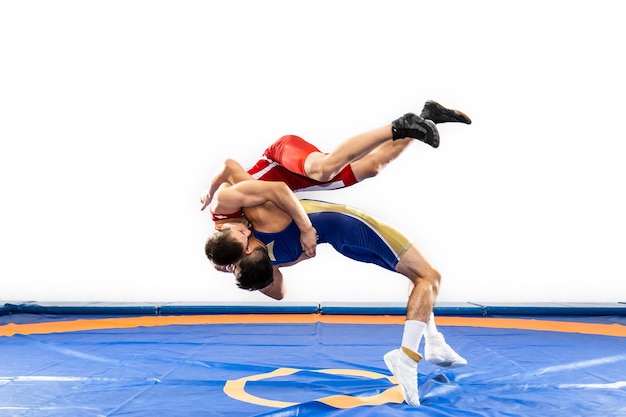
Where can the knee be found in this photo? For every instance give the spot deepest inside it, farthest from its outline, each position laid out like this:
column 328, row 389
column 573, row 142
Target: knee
column 370, row 168
column 318, row 167
column 434, row 280
column 327, row 169
column 325, row 175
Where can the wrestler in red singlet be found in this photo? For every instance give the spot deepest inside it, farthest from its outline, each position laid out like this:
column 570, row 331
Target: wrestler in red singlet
column 284, row 161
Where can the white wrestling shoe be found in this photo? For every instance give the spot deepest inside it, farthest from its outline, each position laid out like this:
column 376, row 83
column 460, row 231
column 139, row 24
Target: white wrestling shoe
column 438, row 352
column 405, row 371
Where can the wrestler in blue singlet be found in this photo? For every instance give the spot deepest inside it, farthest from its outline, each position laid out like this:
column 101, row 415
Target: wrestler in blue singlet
column 351, row 232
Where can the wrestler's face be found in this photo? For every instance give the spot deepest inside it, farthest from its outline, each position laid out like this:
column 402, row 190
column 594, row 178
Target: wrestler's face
column 238, row 231
column 233, row 268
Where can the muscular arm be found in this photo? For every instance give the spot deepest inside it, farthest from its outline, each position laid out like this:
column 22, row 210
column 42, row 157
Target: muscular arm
column 230, row 171
column 247, row 192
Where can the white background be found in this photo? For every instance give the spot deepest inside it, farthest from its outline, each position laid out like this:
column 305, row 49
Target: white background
column 114, row 114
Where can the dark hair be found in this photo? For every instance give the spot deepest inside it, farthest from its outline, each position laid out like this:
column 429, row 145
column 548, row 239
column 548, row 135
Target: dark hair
column 221, row 249
column 255, row 270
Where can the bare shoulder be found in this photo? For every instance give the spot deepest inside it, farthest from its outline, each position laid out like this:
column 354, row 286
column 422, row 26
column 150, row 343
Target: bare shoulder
column 267, row 217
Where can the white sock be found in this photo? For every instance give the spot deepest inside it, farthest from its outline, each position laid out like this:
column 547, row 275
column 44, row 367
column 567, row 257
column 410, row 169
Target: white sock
column 412, row 335
column 431, row 327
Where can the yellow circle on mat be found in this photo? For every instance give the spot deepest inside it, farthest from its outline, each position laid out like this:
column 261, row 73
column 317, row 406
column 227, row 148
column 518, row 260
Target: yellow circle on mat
column 236, row 389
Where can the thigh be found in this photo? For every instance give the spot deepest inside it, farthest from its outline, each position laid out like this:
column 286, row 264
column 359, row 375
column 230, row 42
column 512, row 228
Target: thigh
column 413, row 264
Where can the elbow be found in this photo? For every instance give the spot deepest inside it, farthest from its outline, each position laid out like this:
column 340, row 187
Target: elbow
column 229, row 163
column 280, row 293
column 281, row 187
column 275, row 291
column 280, row 192
column 276, row 295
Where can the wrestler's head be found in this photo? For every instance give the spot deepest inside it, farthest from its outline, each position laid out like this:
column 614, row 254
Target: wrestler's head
column 227, row 244
column 254, row 270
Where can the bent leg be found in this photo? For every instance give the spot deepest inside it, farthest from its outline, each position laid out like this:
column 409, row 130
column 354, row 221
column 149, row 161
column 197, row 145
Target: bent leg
column 403, row 362
column 436, row 349
column 425, row 279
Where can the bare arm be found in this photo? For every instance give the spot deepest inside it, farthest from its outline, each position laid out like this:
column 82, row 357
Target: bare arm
column 247, row 192
column 277, row 288
column 254, row 193
column 230, row 171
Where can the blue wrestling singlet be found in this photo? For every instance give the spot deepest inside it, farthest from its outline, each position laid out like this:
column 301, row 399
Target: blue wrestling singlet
column 351, row 232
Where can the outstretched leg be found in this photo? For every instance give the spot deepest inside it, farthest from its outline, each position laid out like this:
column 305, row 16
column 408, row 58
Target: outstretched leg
column 324, row 167
column 303, row 158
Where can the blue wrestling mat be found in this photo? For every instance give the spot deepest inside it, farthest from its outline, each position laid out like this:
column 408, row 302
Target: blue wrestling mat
column 302, row 364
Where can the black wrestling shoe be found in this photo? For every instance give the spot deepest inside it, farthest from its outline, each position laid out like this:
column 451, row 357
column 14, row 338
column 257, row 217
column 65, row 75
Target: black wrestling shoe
column 439, row 114
column 413, row 126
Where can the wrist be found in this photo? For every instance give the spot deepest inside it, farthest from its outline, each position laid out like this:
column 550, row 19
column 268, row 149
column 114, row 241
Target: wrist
column 306, row 228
